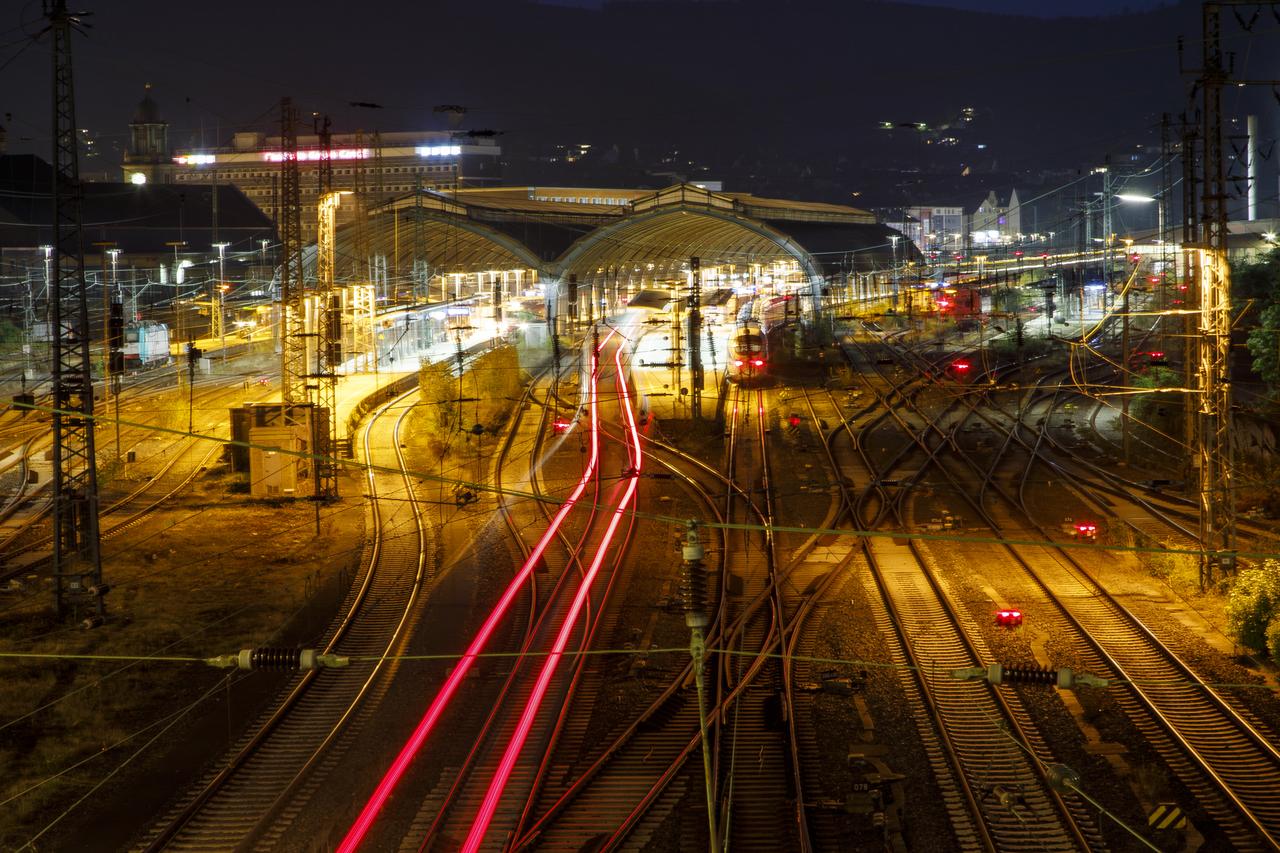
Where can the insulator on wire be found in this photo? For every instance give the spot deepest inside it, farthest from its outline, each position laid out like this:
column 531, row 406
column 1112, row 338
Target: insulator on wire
column 1023, row 674
column 1065, row 677
column 276, row 658
column 693, row 580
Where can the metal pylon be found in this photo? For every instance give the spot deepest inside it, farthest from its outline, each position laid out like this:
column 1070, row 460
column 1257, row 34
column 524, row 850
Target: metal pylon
column 328, row 348
column 77, row 559
column 1213, row 354
column 293, row 321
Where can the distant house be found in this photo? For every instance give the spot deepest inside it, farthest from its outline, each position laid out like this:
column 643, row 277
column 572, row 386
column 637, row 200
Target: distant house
column 997, row 220
column 947, row 227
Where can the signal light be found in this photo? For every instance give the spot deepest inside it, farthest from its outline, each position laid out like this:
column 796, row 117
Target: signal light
column 1017, row 253
column 1087, row 530
column 793, row 420
column 559, row 426
column 1009, row 618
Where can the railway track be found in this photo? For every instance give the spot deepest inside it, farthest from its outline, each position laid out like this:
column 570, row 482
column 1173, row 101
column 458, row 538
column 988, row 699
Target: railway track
column 249, row 800
column 1223, row 758
column 997, row 794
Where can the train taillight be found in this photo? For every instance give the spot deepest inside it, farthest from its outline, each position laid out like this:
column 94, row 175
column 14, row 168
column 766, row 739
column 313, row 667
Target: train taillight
column 1009, row 618
column 559, row 426
column 737, row 362
column 960, row 366
column 757, row 362
column 1087, row 530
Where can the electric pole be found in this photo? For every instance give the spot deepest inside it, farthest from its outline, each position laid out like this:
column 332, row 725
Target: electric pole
column 694, row 592
column 695, row 339
column 77, row 558
column 1213, row 449
column 293, row 329
column 328, row 350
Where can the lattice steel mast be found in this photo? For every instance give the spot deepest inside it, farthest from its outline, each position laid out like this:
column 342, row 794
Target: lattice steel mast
column 328, row 326
column 328, row 354
column 1213, row 449
column 77, row 559
column 293, row 328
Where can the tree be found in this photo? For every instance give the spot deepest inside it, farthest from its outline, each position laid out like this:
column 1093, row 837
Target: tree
column 1257, row 284
column 1264, row 344
column 1253, row 608
column 1257, row 280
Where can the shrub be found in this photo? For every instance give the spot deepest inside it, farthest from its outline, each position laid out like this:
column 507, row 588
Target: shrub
column 1273, row 639
column 1254, row 605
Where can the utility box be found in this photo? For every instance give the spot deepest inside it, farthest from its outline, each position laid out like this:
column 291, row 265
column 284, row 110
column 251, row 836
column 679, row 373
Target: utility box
column 275, row 461
column 313, row 424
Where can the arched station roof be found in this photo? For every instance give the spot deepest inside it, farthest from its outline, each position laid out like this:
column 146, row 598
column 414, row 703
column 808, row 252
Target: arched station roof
column 559, row 231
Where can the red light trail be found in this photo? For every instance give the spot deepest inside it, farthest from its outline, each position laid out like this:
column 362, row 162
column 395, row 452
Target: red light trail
column 496, row 786
column 369, row 813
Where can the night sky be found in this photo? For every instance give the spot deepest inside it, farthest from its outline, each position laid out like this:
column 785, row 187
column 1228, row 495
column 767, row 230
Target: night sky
column 715, row 77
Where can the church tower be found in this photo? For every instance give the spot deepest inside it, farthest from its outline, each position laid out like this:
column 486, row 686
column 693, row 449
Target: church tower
column 148, row 161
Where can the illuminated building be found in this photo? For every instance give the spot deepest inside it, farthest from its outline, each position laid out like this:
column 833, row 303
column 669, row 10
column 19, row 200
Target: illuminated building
column 387, row 165
column 147, row 161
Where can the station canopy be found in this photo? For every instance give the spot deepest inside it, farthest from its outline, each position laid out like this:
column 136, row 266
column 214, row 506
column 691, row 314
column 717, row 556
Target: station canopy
column 559, row 231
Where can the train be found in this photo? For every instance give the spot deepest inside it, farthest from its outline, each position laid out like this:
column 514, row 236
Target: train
column 145, row 345
column 748, row 355
column 958, row 301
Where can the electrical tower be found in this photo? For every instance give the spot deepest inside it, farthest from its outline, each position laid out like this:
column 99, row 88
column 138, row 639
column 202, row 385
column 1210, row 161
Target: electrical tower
column 695, row 338
column 293, row 328
column 328, row 348
column 1213, row 450
column 77, row 559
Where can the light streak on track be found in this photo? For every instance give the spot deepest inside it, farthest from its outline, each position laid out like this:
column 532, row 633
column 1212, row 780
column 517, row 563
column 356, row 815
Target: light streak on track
column 521, row 734
column 359, row 829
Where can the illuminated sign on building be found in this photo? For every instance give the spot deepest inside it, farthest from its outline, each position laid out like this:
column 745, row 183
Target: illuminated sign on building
column 195, row 159
column 318, row 154
column 439, row 150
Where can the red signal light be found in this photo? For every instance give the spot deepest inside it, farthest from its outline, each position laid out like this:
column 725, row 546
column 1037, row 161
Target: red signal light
column 1017, row 253
column 559, row 426
column 793, row 420
column 1155, row 279
column 1009, row 618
